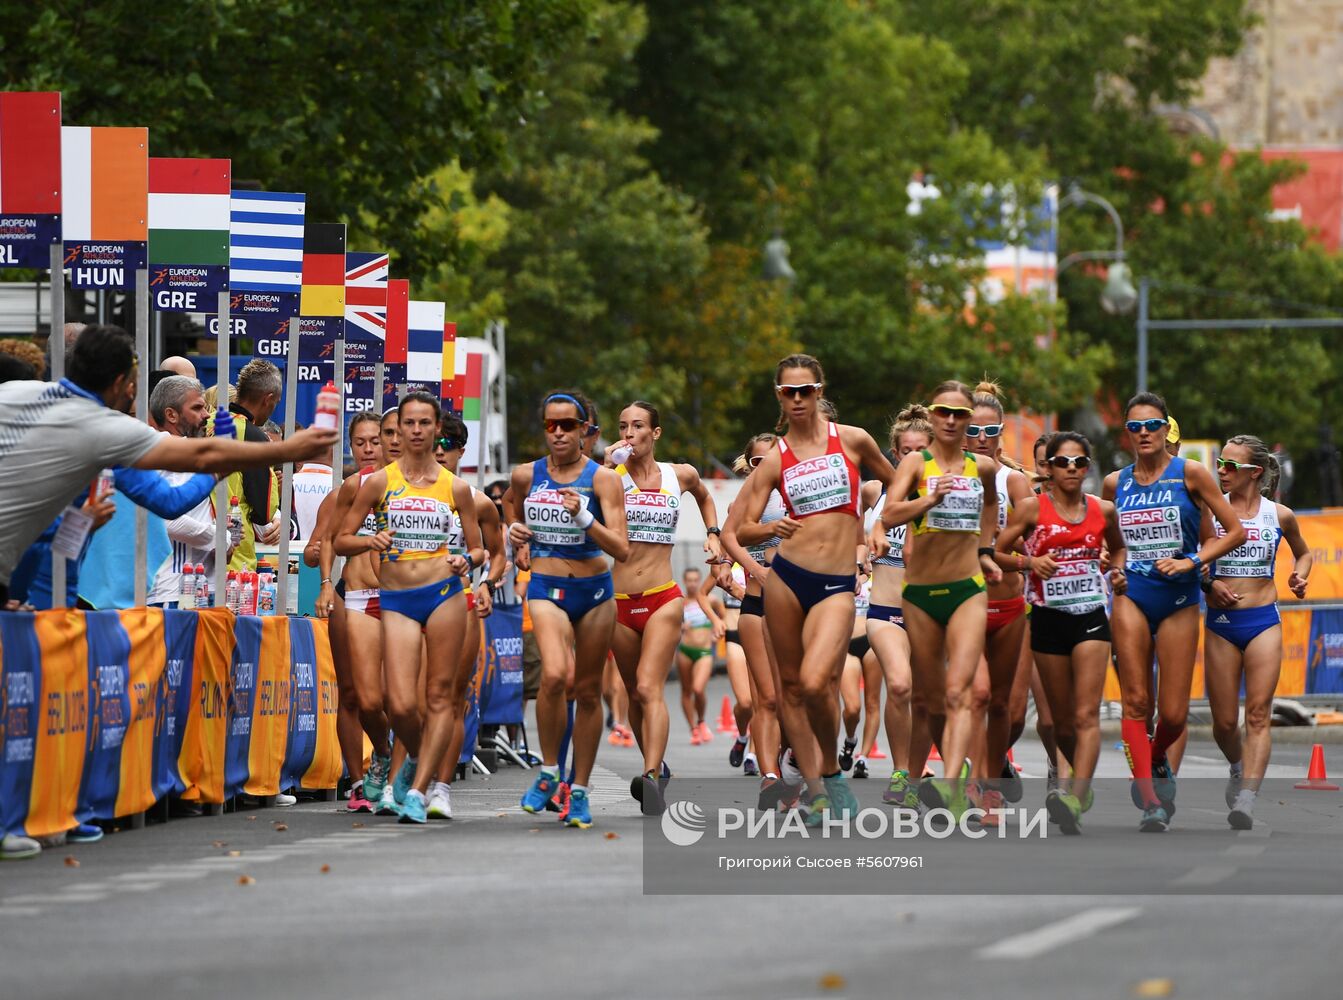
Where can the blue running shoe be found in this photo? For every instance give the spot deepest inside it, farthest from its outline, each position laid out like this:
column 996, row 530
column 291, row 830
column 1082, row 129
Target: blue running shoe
column 413, row 809
column 535, row 799
column 1163, row 781
column 405, row 778
column 375, row 778
column 817, row 810
column 85, row 833
column 1154, row 820
column 842, row 800
column 580, row 810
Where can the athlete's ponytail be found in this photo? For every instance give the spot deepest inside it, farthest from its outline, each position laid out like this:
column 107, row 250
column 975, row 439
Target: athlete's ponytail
column 1262, row 457
column 913, row 418
column 986, row 394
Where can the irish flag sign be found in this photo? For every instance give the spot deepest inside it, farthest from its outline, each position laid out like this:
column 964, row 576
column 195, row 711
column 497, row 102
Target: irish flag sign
column 105, row 177
column 30, row 178
column 188, row 232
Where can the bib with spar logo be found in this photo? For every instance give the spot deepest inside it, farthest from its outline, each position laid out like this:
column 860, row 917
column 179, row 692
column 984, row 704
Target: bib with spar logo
column 1158, row 521
column 959, row 509
column 1077, row 586
column 819, row 485
column 554, row 532
column 419, row 518
column 1255, row 558
column 651, row 515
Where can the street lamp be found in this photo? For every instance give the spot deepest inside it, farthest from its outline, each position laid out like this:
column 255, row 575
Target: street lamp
column 1119, row 296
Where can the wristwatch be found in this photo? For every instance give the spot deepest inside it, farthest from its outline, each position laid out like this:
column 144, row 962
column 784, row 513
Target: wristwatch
column 715, row 530
column 491, row 586
column 1193, row 558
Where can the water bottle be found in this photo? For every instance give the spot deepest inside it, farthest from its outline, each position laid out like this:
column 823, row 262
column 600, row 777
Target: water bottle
column 328, row 407
column 247, row 595
column 234, row 523
column 620, row 454
column 223, row 425
column 202, row 588
column 231, row 592
column 102, row 486
column 186, row 591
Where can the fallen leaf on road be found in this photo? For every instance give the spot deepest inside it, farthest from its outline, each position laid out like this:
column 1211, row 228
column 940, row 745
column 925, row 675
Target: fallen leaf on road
column 71, row 862
column 612, row 836
column 220, row 843
column 281, row 827
column 832, row 981
column 357, row 826
column 246, row 880
column 500, row 815
column 325, row 869
column 235, row 854
column 535, row 829
column 1153, row 988
column 250, row 818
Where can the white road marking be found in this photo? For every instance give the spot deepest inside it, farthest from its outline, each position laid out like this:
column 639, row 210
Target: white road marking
column 1206, row 875
column 1245, row 850
column 1071, row 929
column 78, row 897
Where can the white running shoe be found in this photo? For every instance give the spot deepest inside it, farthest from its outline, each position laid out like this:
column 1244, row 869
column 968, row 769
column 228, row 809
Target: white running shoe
column 440, row 801
column 1241, row 816
column 284, row 799
column 16, row 847
column 789, row 771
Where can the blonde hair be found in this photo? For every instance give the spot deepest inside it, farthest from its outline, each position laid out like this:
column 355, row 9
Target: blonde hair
column 913, row 418
column 741, row 465
column 988, row 393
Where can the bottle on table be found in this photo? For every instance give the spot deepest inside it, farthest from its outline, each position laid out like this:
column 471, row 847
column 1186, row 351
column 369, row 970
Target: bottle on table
column 186, row 591
column 231, row 591
column 247, row 594
column 203, row 592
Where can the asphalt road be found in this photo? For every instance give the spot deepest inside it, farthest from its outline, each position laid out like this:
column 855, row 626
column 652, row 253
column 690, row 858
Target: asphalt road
column 313, row 902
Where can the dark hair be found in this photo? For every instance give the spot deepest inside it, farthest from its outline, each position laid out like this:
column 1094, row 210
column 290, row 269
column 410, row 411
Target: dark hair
column 394, row 411
column 1063, row 437
column 654, row 419
column 364, row 417
column 1042, row 440
column 419, row 396
column 951, row 385
column 1147, row 399
column 100, row 356
column 452, row 426
column 499, row 484
column 14, row 369
column 573, row 397
column 796, row 361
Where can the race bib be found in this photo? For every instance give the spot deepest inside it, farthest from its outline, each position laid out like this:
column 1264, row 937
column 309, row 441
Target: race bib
column 1152, row 533
column 958, row 510
column 651, row 517
column 551, row 524
column 817, row 485
column 1255, row 558
column 418, row 524
column 71, row 535
column 1076, row 587
column 896, row 538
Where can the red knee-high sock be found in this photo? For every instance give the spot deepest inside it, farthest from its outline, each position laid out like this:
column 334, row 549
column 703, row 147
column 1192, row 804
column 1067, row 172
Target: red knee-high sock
column 1139, row 752
column 1166, row 734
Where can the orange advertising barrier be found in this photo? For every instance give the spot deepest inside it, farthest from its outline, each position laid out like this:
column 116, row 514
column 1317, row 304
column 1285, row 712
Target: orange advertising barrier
column 1323, row 532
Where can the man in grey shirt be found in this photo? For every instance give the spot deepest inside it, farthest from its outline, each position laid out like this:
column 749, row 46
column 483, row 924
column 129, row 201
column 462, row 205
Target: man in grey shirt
column 55, row 437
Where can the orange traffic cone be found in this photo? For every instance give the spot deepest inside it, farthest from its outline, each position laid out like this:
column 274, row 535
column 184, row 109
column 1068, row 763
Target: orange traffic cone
column 875, row 753
column 1316, row 779
column 727, row 723
column 933, row 755
column 1012, row 760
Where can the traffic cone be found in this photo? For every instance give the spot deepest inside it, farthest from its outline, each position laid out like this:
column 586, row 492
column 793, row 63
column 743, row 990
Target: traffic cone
column 1316, row 779
column 1012, row 760
column 727, row 723
column 933, row 755
column 875, row 753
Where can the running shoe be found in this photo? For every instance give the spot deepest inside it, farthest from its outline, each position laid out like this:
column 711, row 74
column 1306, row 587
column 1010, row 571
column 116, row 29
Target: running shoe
column 771, row 791
column 1052, row 778
column 561, row 800
column 649, row 794
column 695, row 739
column 284, row 799
column 860, row 767
column 387, row 804
column 991, row 801
column 413, row 808
column 737, row 753
column 439, row 805
column 705, row 733
column 1011, row 786
column 614, row 738
column 376, row 777
column 85, row 833
column 843, row 801
column 1065, row 810
column 1241, row 816
column 405, row 778
column 627, row 737
column 356, row 803
column 1088, row 800
column 846, row 755
column 538, row 797
column 580, row 810
column 1163, row 781
column 817, row 809
column 1158, row 787
column 939, row 793
column 1154, row 820
column 897, row 790
column 788, row 769
column 750, row 767
column 16, row 847
column 1233, row 784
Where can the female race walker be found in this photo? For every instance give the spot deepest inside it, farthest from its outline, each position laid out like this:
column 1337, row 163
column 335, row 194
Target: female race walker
column 648, row 601
column 356, row 636
column 1160, row 500
column 809, row 596
column 420, row 593
column 764, row 671
column 1244, row 636
column 907, row 736
column 949, row 495
column 568, row 512
column 702, row 625
column 1064, row 531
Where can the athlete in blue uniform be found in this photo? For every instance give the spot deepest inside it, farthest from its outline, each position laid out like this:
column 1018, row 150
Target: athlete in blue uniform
column 1159, row 500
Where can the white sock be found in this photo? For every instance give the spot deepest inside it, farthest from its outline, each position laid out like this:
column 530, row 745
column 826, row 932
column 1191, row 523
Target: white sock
column 744, row 738
column 575, row 789
column 550, row 770
column 442, row 787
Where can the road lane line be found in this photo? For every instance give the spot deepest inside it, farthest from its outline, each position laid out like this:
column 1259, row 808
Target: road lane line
column 1069, row 930
column 1245, row 850
column 1206, row 875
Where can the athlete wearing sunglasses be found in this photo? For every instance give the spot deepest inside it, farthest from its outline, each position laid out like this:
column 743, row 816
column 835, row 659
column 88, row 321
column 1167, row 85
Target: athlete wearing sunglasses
column 812, row 581
column 1063, row 530
column 1160, row 499
column 567, row 511
column 949, row 496
column 1243, row 642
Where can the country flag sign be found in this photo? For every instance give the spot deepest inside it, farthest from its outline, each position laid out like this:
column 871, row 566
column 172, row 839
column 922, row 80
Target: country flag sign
column 322, row 300
column 366, row 277
column 188, row 232
column 464, row 394
column 428, row 350
column 398, row 322
column 105, row 204
column 266, row 241
column 30, row 177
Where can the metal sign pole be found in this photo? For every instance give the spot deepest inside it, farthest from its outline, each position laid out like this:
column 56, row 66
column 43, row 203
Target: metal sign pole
column 287, row 481
column 379, row 387
column 501, row 346
column 221, row 491
column 142, row 394
column 337, row 461
column 56, row 343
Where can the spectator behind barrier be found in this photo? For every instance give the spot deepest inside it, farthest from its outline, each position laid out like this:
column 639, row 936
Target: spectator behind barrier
column 259, row 386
